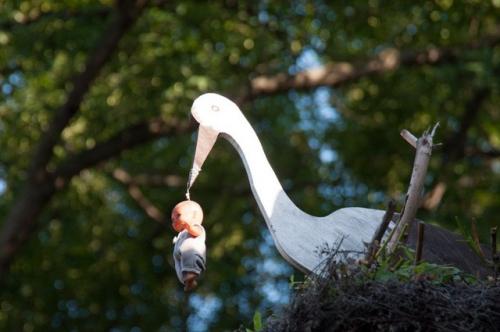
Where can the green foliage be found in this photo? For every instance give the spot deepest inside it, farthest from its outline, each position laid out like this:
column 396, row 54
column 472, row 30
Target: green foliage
column 257, row 321
column 405, row 270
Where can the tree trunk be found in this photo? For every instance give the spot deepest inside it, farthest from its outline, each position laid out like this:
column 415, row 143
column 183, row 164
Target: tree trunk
column 21, row 220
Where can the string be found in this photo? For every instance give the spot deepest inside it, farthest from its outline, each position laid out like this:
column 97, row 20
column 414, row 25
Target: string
column 193, row 173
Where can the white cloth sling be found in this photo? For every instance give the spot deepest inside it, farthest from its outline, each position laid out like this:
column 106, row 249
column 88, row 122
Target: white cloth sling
column 189, row 253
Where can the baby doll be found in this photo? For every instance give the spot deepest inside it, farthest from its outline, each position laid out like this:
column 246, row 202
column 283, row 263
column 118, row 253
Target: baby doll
column 189, row 245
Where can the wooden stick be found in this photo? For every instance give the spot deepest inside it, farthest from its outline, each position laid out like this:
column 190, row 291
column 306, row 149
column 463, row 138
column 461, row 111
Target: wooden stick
column 420, row 242
column 475, row 238
column 377, row 237
column 414, row 194
column 404, row 238
column 493, row 233
column 412, row 140
column 494, row 255
column 402, row 235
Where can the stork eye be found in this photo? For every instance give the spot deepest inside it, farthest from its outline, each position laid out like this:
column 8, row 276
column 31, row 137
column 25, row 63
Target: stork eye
column 215, row 108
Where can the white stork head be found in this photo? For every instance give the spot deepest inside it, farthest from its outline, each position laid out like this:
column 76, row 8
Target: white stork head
column 216, row 114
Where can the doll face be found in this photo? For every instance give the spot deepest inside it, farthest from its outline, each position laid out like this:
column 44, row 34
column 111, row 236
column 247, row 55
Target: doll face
column 186, row 214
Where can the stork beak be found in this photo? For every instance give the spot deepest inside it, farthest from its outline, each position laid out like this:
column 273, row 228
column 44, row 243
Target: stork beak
column 205, row 142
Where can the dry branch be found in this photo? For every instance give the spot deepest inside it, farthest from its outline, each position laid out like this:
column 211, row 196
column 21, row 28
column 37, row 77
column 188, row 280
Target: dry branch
column 125, row 139
column 412, row 140
column 339, row 73
column 493, row 234
column 377, row 237
column 495, row 257
column 159, row 180
column 136, row 193
column 475, row 238
column 415, row 190
column 490, row 154
column 420, row 242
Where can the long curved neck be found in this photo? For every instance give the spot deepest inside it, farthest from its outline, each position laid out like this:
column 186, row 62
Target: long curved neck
column 273, row 202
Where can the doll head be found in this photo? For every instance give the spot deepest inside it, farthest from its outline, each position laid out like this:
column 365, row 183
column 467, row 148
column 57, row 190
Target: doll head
column 186, row 215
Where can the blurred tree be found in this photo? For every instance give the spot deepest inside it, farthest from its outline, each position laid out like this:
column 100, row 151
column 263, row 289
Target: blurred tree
column 96, row 141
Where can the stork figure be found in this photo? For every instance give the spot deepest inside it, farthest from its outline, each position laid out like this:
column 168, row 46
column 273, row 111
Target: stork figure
column 297, row 235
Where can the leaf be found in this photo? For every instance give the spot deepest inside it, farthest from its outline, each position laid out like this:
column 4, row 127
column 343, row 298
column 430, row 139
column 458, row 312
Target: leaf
column 257, row 321
column 384, row 275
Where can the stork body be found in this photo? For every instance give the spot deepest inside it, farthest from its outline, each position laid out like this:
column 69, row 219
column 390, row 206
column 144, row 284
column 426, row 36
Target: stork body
column 298, row 236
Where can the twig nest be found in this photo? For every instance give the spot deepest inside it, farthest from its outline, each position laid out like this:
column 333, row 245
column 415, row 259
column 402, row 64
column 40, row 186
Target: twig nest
column 187, row 215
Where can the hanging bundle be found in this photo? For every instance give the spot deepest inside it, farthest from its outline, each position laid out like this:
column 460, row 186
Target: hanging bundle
column 189, row 245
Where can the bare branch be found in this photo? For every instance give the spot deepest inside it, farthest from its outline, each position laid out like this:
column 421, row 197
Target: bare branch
column 455, row 146
column 493, row 238
column 128, row 138
column 412, row 140
column 475, row 238
column 339, row 73
column 135, row 192
column 420, row 242
column 157, row 180
column 433, row 130
column 415, row 190
column 433, row 197
column 490, row 154
column 124, row 19
column 152, row 180
column 381, row 230
column 495, row 258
